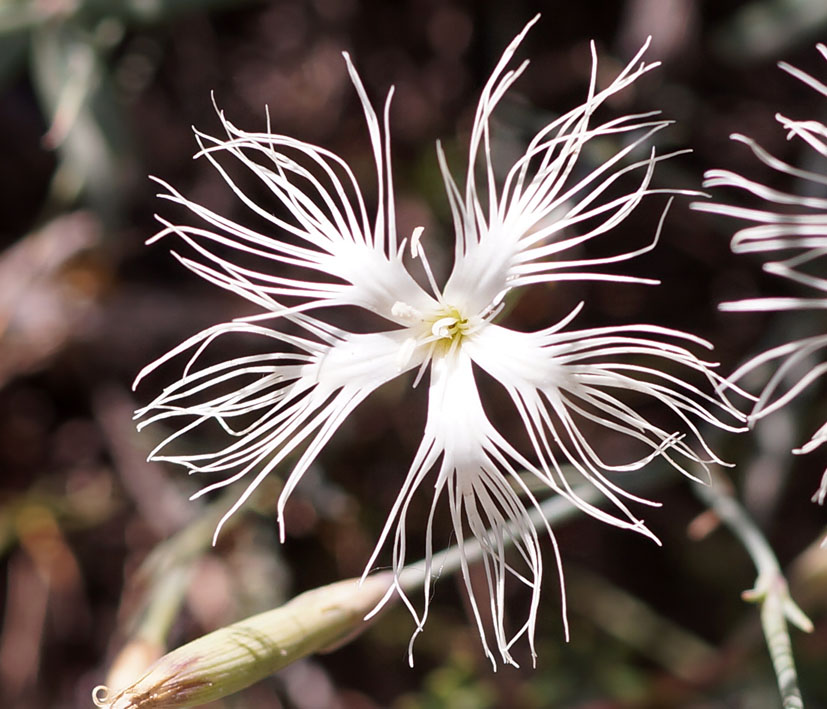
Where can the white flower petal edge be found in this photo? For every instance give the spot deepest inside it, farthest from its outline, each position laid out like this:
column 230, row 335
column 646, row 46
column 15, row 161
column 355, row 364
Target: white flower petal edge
column 283, row 399
column 801, row 235
column 280, row 408
column 479, row 470
column 514, row 235
column 332, row 236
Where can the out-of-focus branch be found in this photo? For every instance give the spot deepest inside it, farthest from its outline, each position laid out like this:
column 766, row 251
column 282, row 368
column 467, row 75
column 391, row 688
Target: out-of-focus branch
column 45, row 293
column 232, row 658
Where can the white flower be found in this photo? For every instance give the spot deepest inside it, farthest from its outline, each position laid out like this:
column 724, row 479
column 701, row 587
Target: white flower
column 795, row 228
column 510, row 234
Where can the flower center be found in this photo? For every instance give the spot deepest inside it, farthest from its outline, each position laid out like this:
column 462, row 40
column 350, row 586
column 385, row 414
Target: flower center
column 450, row 325
column 441, row 330
column 447, row 328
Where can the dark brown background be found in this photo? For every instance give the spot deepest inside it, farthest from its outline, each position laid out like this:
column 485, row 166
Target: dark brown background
column 84, row 305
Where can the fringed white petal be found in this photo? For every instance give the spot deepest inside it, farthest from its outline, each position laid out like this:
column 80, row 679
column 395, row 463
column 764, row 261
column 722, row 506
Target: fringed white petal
column 477, row 469
column 273, row 405
column 559, row 381
column 795, row 369
column 339, row 256
column 773, row 228
column 797, row 365
column 550, row 201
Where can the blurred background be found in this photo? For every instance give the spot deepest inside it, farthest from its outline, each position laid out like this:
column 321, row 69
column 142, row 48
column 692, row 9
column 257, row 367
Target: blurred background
column 100, row 549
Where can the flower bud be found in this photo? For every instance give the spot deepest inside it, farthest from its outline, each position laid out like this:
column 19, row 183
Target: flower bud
column 238, row 655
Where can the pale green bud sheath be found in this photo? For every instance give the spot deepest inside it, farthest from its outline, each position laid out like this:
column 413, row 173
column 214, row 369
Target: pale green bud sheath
column 234, row 657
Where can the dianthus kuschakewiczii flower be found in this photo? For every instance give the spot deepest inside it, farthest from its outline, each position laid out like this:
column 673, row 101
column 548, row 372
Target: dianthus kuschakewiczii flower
column 323, row 251
column 793, row 226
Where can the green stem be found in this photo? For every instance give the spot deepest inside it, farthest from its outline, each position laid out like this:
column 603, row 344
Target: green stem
column 770, row 590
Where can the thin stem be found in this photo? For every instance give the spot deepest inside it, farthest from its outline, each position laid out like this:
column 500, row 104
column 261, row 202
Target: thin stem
column 770, row 590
